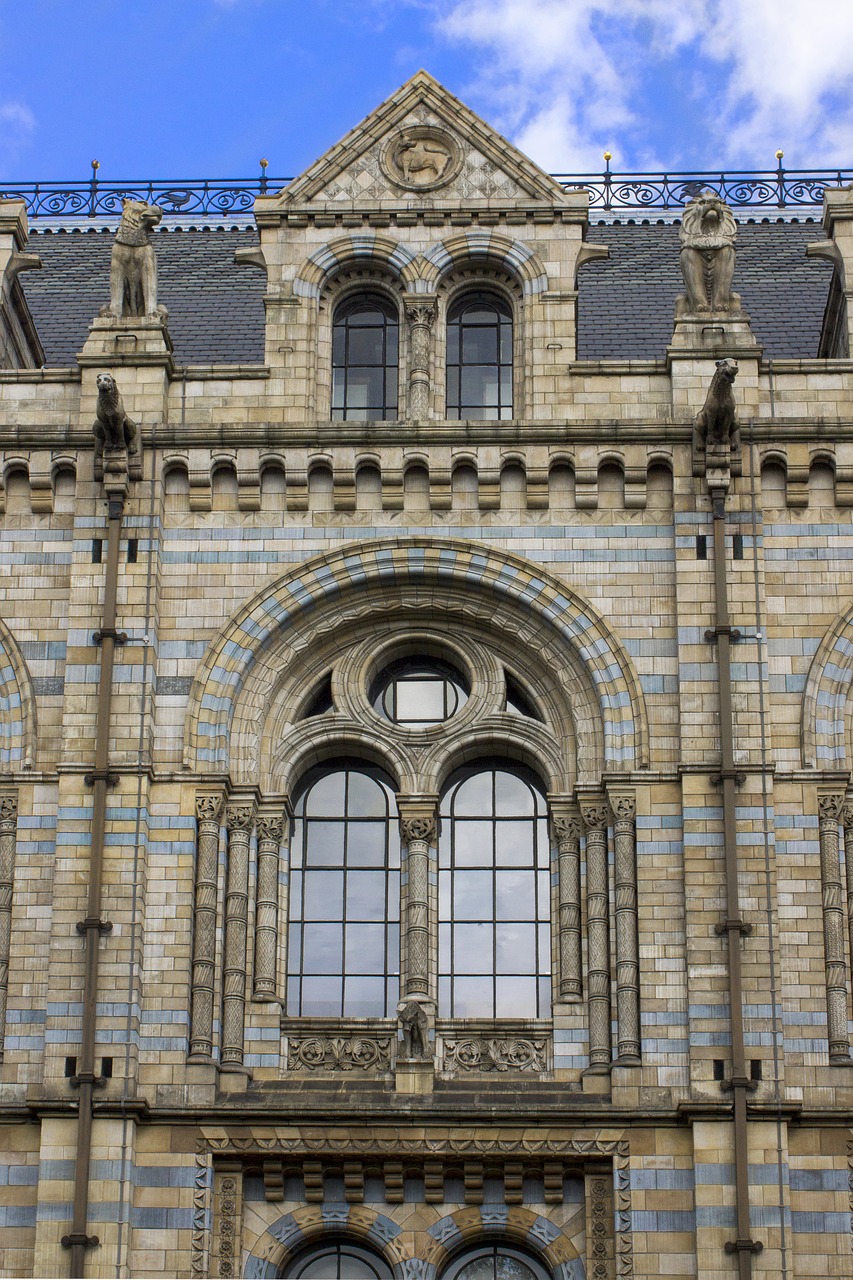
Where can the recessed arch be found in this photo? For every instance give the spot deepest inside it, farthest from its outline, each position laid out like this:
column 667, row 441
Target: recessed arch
column 362, row 249
column 827, row 715
column 18, row 730
column 234, row 682
column 289, row 1235
column 482, row 249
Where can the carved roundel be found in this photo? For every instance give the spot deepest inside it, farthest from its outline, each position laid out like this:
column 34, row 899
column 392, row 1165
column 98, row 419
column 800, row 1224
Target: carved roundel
column 421, row 158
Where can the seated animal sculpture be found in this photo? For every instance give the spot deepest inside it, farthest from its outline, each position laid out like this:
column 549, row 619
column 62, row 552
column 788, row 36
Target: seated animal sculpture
column 716, row 427
column 707, row 237
column 133, row 267
column 112, row 427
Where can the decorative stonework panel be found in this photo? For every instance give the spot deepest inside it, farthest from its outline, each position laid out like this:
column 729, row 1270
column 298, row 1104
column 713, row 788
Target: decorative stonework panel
column 484, row 1053
column 338, row 1053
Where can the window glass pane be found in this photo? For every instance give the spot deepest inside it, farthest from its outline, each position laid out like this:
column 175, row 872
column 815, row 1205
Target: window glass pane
column 364, row 388
column 515, row 998
column 515, row 948
column 472, row 895
column 366, row 895
column 322, row 949
column 419, row 693
column 474, row 796
column 480, row 345
column 366, row 844
column 513, row 844
column 479, row 386
column 420, row 700
column 325, row 844
column 366, row 346
column 472, row 844
column 366, row 798
column 515, row 895
column 472, row 948
column 321, row 997
column 339, row 346
column 513, row 796
column 506, row 344
column 324, row 895
column 479, row 315
column 472, row 997
column 326, row 798
column 363, row 996
column 362, row 314
column 365, row 948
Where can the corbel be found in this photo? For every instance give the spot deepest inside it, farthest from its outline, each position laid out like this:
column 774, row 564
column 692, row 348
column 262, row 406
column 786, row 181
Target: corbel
column 198, row 474
column 248, row 480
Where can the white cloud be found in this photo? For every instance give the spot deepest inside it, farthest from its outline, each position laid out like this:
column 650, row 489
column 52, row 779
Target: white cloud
column 567, row 78
column 17, row 126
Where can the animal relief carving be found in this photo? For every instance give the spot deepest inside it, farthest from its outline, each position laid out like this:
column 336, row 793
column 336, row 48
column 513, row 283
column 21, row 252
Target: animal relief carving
column 133, row 266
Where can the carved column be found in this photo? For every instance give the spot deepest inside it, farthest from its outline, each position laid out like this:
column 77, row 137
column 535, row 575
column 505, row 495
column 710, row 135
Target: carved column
column 627, row 947
column 421, row 317
column 239, row 819
column 270, row 830
column 8, row 826
column 418, row 831
column 829, row 810
column 594, row 814
column 566, row 834
column 208, row 810
column 847, row 821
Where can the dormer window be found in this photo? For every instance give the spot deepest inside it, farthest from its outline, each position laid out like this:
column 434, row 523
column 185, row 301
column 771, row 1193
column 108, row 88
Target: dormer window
column 479, row 357
column 365, row 342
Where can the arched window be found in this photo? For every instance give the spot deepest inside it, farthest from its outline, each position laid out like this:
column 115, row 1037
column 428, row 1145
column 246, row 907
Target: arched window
column 365, row 359
column 494, row 955
column 344, row 941
column 494, row 1262
column 479, row 357
column 339, row 1260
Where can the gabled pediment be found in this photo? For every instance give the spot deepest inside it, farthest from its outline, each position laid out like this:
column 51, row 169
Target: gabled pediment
column 421, row 146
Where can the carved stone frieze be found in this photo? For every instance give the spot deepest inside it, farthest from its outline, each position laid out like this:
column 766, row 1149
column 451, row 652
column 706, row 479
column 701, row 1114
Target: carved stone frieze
column 227, row 1226
column 486, row 1053
column 421, row 158
column 338, row 1053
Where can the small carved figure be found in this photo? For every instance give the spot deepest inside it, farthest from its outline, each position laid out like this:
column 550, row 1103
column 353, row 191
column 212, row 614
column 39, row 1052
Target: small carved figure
column 133, row 267
column 422, row 161
column 716, row 427
column 112, row 427
column 707, row 237
column 414, row 1024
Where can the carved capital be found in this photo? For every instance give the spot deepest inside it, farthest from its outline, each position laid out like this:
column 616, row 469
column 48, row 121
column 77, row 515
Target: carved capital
column 239, row 816
column 595, row 814
column 270, row 828
column 8, row 808
column 420, row 313
column 624, row 807
column 412, row 829
column 566, row 828
column 847, row 813
column 208, row 808
column 418, row 818
column 830, row 805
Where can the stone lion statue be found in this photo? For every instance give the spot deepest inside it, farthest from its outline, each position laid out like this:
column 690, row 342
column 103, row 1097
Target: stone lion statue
column 112, row 427
column 707, row 237
column 133, row 267
column 715, row 428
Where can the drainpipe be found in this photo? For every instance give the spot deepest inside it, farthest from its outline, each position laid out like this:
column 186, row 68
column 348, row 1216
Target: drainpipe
column 734, row 928
column 93, row 928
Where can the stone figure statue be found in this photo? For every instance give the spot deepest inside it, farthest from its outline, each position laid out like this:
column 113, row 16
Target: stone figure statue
column 707, row 237
column 133, row 267
column 716, row 427
column 414, row 1024
column 112, row 427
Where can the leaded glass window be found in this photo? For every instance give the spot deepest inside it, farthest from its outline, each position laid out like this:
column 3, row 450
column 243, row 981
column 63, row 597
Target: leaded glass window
column 344, row 940
column 494, row 897
column 479, row 357
column 494, row 1262
column 339, row 1261
column 365, row 359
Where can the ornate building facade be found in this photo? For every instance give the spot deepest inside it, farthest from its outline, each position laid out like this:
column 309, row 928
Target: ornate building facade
column 425, row 731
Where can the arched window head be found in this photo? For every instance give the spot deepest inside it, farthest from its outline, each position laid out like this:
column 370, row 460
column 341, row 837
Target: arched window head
column 365, row 359
column 339, row 1260
column 479, row 357
column 344, row 942
column 494, row 1262
column 417, row 694
column 494, row 952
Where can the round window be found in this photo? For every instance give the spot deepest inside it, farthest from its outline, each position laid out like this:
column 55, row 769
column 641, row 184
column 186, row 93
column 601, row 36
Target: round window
column 418, row 693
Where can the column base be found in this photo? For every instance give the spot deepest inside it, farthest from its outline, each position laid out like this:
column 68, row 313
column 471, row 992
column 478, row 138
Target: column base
column 233, row 1078
column 596, row 1079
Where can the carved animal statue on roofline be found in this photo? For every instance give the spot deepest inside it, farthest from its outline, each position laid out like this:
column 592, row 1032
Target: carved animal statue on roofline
column 112, row 427
column 133, row 267
column 707, row 237
column 715, row 428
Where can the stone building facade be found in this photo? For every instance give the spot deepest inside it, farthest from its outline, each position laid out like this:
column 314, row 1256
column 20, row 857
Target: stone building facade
column 424, row 752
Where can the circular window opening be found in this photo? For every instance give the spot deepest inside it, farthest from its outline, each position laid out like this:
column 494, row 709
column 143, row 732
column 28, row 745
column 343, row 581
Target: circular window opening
column 417, row 693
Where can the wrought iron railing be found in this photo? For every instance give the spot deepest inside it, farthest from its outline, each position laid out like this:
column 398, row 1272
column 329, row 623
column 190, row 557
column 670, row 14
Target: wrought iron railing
column 780, row 189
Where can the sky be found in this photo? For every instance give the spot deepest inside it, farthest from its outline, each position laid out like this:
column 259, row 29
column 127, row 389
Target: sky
column 205, row 88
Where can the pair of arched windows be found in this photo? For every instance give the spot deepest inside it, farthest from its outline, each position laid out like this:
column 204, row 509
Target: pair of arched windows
column 494, row 957
column 478, row 363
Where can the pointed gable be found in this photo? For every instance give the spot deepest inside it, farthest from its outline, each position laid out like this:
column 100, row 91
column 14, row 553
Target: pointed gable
column 420, row 146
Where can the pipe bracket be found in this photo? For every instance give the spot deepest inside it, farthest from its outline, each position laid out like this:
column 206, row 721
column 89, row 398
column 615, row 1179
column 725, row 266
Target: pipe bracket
column 743, row 1246
column 103, row 926
column 739, row 778
column 109, row 633
column 732, row 926
column 739, row 1082
column 79, row 1237
column 100, row 775
column 87, row 1077
column 714, row 633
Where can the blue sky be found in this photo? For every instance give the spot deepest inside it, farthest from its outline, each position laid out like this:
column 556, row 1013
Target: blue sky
column 204, row 88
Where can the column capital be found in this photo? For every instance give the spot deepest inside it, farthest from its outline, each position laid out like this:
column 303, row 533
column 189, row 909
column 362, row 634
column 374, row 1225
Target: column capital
column 565, row 819
column 595, row 812
column 8, row 807
column 830, row 805
column 418, row 818
column 208, row 806
column 240, row 815
column 623, row 805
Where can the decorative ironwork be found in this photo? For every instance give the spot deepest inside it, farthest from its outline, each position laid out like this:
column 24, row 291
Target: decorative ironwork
column 773, row 188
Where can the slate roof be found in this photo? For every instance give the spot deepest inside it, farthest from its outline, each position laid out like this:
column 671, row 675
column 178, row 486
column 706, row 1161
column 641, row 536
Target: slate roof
column 625, row 307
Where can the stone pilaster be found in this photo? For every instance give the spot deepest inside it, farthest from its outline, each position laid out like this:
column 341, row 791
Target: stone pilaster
column 421, row 317
column 594, row 813
column 239, row 820
column 566, row 834
column 8, row 835
column 270, row 830
column 208, row 813
column 418, row 829
column 624, row 808
column 830, row 806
